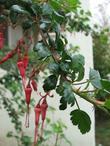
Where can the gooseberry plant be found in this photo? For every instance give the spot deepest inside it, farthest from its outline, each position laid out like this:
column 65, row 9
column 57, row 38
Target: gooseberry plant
column 44, row 23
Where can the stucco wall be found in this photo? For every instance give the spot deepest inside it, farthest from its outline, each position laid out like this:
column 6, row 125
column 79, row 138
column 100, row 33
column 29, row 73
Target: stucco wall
column 77, row 139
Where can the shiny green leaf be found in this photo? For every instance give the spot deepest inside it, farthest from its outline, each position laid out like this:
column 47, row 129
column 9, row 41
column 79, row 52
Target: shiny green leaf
column 82, row 120
column 50, row 83
column 94, row 78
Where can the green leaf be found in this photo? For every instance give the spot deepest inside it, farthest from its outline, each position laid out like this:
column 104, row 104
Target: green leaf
column 46, row 9
column 13, row 17
column 60, row 90
column 77, row 65
column 17, row 9
column 2, row 18
column 55, row 4
column 42, row 50
column 78, row 59
column 54, row 67
column 65, row 90
column 67, row 6
column 94, row 78
column 63, row 104
column 68, row 93
column 105, row 84
column 107, row 104
column 105, row 91
column 35, row 9
column 10, row 134
column 44, row 25
column 57, row 17
column 64, row 67
column 80, row 74
column 27, row 24
column 26, row 140
column 82, row 120
column 50, row 83
column 59, row 43
column 73, row 3
column 66, row 56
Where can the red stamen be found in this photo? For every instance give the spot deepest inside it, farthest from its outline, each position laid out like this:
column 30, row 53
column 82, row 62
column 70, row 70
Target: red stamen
column 27, row 117
column 28, row 91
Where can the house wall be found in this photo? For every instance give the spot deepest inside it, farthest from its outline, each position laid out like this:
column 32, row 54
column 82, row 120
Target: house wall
column 73, row 134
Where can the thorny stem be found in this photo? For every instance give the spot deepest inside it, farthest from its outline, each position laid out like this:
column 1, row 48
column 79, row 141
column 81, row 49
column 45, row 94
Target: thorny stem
column 85, row 96
column 96, row 103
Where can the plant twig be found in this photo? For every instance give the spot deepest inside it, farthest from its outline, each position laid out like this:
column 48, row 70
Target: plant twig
column 87, row 91
column 77, row 103
column 91, row 100
column 56, row 142
column 80, row 83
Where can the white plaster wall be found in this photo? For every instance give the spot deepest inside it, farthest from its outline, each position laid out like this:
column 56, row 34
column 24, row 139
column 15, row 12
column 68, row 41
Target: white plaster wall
column 72, row 132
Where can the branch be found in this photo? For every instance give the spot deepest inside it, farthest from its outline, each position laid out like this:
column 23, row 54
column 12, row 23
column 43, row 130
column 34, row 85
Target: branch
column 80, row 83
column 82, row 94
column 43, row 38
column 90, row 100
column 54, row 53
column 87, row 91
column 56, row 142
column 93, row 101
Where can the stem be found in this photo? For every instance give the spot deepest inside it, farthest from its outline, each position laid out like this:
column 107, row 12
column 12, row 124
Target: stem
column 81, row 83
column 36, row 69
column 87, row 91
column 44, row 39
column 56, row 142
column 56, row 57
column 106, row 91
column 93, row 101
column 87, row 85
column 85, row 96
column 77, row 103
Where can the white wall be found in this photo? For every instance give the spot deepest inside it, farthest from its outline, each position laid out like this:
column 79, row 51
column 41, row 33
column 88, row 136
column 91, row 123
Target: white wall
column 72, row 132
